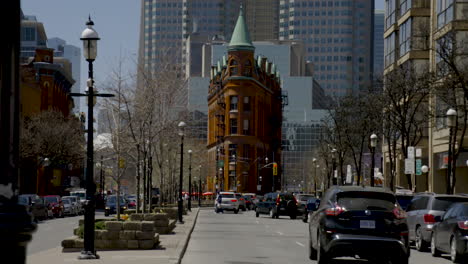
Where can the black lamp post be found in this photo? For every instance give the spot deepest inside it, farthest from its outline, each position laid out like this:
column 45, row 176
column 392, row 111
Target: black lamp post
column 16, row 226
column 451, row 123
column 189, row 204
column 199, row 188
column 373, row 144
column 314, row 162
column 179, row 200
column 90, row 38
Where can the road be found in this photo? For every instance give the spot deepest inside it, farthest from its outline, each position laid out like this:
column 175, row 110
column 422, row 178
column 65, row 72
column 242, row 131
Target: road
column 50, row 233
column 245, row 239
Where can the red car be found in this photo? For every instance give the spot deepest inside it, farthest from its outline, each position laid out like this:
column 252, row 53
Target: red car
column 55, row 201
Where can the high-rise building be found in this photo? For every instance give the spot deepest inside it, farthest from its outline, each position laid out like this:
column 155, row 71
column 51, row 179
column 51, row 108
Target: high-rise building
column 262, row 17
column 338, row 40
column 378, row 64
column 33, row 36
column 72, row 54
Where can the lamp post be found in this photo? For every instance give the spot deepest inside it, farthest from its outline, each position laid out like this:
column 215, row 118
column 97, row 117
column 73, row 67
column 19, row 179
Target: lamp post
column 373, row 144
column 189, row 204
column 16, row 223
column 334, row 177
column 199, row 187
column 90, row 37
column 220, row 182
column 425, row 170
column 451, row 123
column 314, row 163
column 179, row 200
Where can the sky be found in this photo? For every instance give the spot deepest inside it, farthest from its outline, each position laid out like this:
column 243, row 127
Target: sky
column 116, row 21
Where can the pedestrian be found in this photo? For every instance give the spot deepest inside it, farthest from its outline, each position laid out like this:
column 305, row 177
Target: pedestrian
column 218, row 207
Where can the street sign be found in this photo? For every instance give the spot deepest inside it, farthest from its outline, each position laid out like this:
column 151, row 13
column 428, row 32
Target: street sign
column 418, row 153
column 409, row 166
column 410, row 152
column 418, row 167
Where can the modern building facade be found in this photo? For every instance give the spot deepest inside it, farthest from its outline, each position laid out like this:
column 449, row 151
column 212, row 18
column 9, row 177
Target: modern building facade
column 378, row 56
column 33, row 36
column 337, row 36
column 262, row 17
column 244, row 119
column 73, row 55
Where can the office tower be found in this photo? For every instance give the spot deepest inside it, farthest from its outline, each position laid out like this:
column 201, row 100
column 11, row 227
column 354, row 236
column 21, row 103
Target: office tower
column 338, row 39
column 72, row 54
column 262, row 19
column 378, row 65
column 33, row 36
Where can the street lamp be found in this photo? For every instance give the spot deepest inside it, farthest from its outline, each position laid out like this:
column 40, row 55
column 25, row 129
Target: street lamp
column 373, row 144
column 199, row 187
column 90, row 37
column 220, row 181
column 314, row 162
column 451, row 123
column 179, row 201
column 334, row 177
column 189, row 205
column 425, row 170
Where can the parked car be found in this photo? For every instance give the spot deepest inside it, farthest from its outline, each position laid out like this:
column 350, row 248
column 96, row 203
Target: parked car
column 56, row 204
column 302, row 202
column 256, row 200
column 450, row 234
column 68, row 207
column 248, row 202
column 424, row 211
column 404, row 197
column 311, row 206
column 131, row 203
column 111, row 205
column 76, row 204
column 34, row 205
column 265, row 204
column 228, row 202
column 362, row 221
column 241, row 200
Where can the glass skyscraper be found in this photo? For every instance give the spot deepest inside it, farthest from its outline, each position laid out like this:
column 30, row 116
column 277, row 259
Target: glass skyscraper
column 337, row 36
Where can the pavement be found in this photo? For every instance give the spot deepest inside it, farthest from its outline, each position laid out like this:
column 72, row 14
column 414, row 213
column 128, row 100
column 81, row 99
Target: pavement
column 172, row 251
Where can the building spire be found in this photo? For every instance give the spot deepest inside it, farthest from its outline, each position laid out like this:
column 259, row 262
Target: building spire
column 240, row 39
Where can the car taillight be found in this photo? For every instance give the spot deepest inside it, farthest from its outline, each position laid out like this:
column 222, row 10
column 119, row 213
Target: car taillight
column 242, row 199
column 234, row 200
column 334, row 211
column 429, row 219
column 399, row 213
column 463, row 225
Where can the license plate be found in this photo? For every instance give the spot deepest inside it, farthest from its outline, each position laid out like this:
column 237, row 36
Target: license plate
column 369, row 224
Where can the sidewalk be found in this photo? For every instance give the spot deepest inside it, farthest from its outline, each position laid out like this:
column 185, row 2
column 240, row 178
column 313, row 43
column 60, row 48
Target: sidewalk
column 173, row 249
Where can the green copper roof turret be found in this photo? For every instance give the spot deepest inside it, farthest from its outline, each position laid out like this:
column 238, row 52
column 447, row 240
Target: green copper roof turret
column 240, row 39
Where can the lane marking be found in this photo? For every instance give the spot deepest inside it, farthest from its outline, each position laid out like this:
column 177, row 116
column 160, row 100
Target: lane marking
column 300, row 244
column 279, row 233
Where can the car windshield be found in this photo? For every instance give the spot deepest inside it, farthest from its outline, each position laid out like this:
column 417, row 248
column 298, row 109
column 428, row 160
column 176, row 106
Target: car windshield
column 443, row 203
column 66, row 201
column 51, row 199
column 79, row 194
column 227, row 195
column 404, row 200
column 305, row 197
column 286, row 196
column 366, row 201
column 23, row 200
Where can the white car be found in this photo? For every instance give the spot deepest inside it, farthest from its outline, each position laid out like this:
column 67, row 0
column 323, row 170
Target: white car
column 75, row 201
column 227, row 201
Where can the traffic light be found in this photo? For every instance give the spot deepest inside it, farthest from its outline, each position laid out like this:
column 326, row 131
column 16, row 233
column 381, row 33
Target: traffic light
column 275, row 168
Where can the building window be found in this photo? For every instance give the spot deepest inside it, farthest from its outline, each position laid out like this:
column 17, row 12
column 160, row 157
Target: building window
column 233, row 65
column 28, row 34
column 246, row 127
column 405, row 5
column 233, row 125
column 233, row 103
column 246, row 106
column 389, row 50
column 246, row 151
column 232, row 151
column 445, row 12
column 248, row 68
column 405, row 37
column 390, row 9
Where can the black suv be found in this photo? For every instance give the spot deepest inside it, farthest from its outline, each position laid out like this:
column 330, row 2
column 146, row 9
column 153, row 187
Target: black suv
column 285, row 204
column 356, row 220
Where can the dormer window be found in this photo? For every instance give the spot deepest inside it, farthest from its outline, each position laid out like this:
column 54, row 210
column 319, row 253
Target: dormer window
column 247, row 68
column 233, row 65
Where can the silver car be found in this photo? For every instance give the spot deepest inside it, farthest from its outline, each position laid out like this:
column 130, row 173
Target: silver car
column 75, row 204
column 227, row 201
column 424, row 211
column 241, row 201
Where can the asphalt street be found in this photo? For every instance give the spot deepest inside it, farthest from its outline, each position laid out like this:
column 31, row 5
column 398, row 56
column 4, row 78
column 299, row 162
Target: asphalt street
column 244, row 239
column 51, row 232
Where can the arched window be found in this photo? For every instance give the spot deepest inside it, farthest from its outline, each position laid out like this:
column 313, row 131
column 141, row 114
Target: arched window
column 233, row 66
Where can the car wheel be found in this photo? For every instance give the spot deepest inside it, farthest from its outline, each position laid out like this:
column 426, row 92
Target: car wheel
column 421, row 245
column 312, row 251
column 322, row 257
column 434, row 251
column 272, row 214
column 236, row 211
column 454, row 255
column 106, row 213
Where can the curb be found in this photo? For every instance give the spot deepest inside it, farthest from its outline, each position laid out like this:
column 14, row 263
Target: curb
column 187, row 239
